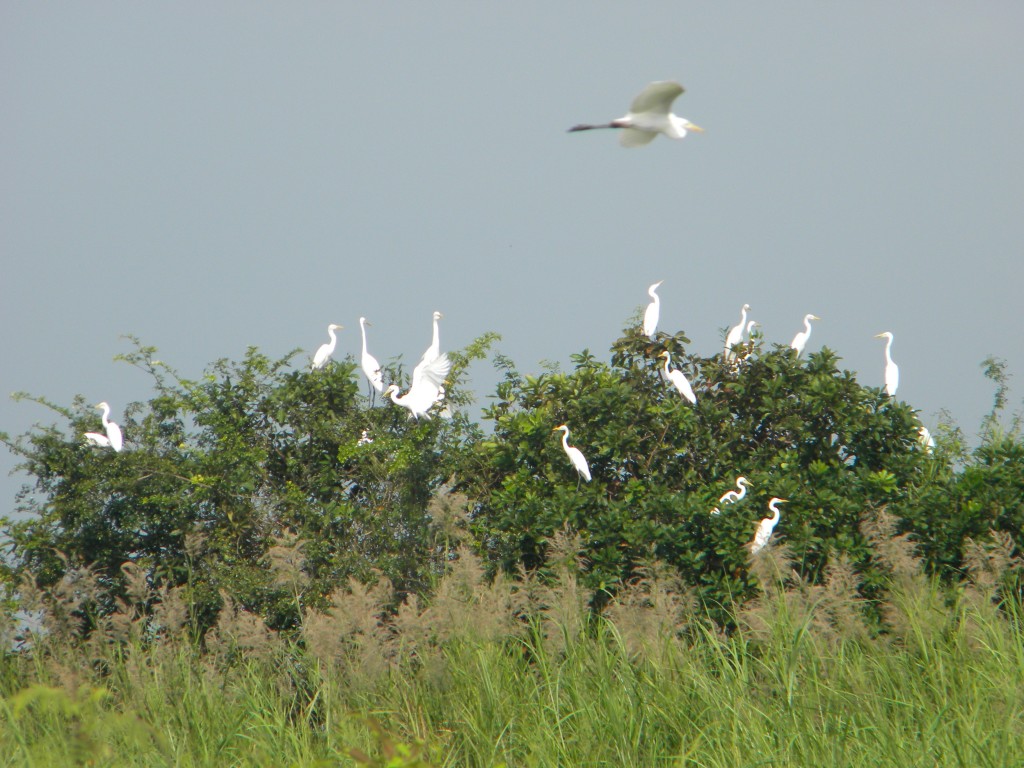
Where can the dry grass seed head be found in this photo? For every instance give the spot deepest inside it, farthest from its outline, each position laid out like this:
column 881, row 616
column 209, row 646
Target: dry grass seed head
column 563, row 601
column 287, row 561
column 895, row 552
column 170, row 612
column 988, row 562
column 841, row 600
column 467, row 604
column 773, row 566
column 355, row 632
column 449, row 515
column 239, row 630
column 652, row 610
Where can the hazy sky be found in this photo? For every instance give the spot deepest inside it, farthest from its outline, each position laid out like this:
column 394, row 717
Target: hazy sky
column 209, row 176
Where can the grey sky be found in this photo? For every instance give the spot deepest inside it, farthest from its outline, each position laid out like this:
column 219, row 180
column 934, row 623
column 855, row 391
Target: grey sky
column 210, row 176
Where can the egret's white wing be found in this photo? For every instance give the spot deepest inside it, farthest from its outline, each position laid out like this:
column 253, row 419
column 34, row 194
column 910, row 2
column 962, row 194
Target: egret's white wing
column 436, row 371
column 427, row 386
column 656, row 97
column 634, row 137
column 95, row 438
column 371, row 369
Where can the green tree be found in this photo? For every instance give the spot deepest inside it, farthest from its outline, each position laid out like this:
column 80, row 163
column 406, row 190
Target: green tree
column 798, row 428
column 215, row 470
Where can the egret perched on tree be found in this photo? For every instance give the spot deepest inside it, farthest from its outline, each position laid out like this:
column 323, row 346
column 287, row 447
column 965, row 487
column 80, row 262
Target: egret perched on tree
column 652, row 311
column 679, row 380
column 926, row 439
column 766, row 526
column 800, row 340
column 432, row 353
column 892, row 371
column 323, row 354
column 425, row 390
column 371, row 368
column 735, row 335
column 648, row 116
column 113, row 439
column 575, row 455
column 731, row 497
column 750, row 326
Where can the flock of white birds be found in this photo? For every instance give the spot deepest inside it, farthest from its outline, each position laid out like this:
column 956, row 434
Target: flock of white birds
column 733, row 339
column 649, row 114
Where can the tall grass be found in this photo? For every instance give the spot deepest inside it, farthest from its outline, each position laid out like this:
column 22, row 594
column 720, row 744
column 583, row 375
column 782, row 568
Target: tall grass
column 517, row 672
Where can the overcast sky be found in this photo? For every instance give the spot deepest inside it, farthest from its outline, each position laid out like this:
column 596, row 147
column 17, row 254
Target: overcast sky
column 209, row 176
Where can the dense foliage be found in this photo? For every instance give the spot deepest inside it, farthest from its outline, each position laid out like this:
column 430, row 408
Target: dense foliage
column 219, row 471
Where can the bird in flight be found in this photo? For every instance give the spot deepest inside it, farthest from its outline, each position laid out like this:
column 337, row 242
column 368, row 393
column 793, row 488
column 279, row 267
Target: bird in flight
column 648, row 116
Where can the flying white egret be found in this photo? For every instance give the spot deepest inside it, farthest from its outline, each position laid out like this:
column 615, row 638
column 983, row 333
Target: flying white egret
column 766, row 526
column 369, row 363
column 432, row 353
column 113, row 439
column 735, row 335
column 892, row 371
column 575, row 455
column 648, row 116
column 679, row 380
column 731, row 497
column 652, row 311
column 323, row 354
column 425, row 390
column 800, row 340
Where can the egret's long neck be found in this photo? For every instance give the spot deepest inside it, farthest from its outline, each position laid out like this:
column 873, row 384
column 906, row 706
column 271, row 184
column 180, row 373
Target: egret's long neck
column 667, row 358
column 362, row 327
column 807, row 326
column 888, row 350
column 106, row 416
column 565, row 439
column 743, row 317
column 436, row 343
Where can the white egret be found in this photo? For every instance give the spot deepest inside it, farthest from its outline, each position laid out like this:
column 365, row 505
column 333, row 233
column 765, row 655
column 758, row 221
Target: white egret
column 652, row 311
column 95, row 438
column 648, row 116
column 766, row 526
column 323, row 354
column 425, row 390
column 432, row 353
column 371, row 368
column 575, row 455
column 113, row 439
column 679, row 380
column 892, row 371
column 731, row 497
column 800, row 340
column 926, row 439
column 735, row 335
column 750, row 326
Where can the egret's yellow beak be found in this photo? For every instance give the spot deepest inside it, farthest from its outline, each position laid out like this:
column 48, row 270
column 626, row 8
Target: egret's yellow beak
column 695, row 128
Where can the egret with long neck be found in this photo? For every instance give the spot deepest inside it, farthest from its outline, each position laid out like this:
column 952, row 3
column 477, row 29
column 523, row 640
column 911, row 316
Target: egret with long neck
column 653, row 311
column 370, row 366
column 892, row 371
